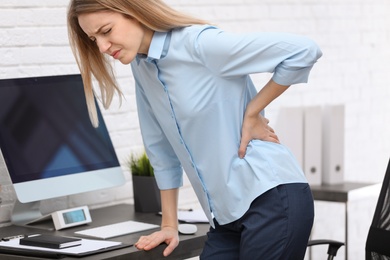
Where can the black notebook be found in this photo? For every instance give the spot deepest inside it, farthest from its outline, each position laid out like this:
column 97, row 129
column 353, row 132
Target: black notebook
column 50, row 241
column 86, row 248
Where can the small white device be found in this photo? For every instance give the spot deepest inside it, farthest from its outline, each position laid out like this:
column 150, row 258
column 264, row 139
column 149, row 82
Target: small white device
column 71, row 217
column 187, row 229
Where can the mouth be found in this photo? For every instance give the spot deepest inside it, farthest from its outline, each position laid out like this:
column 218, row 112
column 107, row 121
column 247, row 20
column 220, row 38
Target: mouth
column 115, row 54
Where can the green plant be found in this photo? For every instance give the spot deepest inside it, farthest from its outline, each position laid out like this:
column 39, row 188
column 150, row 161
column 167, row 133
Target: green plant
column 140, row 166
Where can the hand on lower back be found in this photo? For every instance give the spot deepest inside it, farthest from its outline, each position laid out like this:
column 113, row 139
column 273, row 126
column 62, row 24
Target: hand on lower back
column 255, row 127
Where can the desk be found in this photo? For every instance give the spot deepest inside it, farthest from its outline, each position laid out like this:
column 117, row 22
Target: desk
column 344, row 193
column 190, row 245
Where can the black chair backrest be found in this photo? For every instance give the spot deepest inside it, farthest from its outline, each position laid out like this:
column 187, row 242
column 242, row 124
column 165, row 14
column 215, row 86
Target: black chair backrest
column 378, row 240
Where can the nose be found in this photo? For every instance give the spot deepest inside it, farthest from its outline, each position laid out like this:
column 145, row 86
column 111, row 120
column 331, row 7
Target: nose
column 103, row 45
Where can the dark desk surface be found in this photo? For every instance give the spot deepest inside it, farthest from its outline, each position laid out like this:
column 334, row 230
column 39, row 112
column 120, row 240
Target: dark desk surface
column 342, row 192
column 190, row 245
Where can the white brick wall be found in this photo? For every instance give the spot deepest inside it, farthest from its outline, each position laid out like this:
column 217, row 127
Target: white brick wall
column 354, row 36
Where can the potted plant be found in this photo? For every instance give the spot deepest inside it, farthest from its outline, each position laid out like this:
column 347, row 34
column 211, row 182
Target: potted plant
column 145, row 190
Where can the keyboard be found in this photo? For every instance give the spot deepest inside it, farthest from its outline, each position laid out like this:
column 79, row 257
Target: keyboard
column 117, row 229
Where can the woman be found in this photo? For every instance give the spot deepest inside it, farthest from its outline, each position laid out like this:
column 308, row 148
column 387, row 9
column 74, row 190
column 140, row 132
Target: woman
column 199, row 111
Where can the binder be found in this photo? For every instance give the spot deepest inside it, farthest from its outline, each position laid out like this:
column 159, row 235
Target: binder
column 289, row 128
column 312, row 144
column 333, row 144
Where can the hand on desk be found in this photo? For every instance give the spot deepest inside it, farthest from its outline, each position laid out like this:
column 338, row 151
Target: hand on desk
column 166, row 235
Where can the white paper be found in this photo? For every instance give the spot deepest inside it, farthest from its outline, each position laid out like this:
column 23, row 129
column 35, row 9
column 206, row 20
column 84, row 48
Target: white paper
column 194, row 216
column 87, row 245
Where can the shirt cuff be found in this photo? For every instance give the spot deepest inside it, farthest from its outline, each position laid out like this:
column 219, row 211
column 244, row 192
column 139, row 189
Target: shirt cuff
column 169, row 179
column 289, row 77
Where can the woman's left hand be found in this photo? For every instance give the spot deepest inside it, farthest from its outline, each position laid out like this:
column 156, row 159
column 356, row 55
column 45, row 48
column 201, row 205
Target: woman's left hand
column 255, row 127
column 166, row 235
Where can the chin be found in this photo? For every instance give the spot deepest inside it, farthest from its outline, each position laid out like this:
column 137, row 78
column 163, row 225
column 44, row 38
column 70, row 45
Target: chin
column 126, row 62
column 127, row 58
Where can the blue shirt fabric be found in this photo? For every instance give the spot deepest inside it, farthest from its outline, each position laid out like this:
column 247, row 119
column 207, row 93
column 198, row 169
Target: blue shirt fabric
column 192, row 90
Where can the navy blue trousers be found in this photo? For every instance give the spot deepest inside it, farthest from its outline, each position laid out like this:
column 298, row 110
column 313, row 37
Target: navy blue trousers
column 277, row 226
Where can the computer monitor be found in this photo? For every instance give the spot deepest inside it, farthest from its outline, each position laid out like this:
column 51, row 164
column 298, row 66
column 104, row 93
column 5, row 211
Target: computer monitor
column 49, row 145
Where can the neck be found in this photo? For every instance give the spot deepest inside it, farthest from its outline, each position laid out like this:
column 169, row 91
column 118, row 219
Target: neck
column 146, row 41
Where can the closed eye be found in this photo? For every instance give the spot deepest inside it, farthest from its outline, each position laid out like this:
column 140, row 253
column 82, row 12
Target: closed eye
column 106, row 32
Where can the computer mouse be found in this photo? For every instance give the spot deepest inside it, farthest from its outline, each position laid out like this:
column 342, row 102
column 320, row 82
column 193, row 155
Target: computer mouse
column 187, row 229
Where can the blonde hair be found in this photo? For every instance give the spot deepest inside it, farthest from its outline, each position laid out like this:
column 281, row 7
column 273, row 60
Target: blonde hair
column 153, row 14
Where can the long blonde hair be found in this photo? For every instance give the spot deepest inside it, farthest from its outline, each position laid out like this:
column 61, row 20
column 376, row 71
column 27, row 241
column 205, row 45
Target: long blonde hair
column 154, row 14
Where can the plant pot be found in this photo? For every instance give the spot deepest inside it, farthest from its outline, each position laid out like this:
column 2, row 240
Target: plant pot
column 147, row 197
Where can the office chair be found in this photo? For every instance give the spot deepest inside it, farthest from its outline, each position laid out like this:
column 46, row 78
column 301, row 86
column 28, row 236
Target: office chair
column 378, row 239
column 377, row 244
column 333, row 246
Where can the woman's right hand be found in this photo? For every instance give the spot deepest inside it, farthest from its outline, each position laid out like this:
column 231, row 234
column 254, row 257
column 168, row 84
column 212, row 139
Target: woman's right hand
column 167, row 235
column 255, row 128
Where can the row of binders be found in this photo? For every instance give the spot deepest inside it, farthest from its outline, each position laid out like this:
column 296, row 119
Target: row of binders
column 315, row 135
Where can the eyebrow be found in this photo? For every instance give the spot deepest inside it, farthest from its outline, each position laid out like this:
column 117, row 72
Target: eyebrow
column 99, row 30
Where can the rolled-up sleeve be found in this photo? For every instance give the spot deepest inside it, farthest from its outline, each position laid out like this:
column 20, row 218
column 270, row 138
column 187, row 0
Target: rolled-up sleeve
column 289, row 57
column 166, row 165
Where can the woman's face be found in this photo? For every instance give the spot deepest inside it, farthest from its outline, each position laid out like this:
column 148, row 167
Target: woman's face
column 116, row 35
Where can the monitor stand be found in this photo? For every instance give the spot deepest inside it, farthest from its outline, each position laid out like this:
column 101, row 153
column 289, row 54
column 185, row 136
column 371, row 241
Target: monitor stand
column 29, row 215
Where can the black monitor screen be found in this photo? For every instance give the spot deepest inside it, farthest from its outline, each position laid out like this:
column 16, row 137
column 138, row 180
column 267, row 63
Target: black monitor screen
column 45, row 129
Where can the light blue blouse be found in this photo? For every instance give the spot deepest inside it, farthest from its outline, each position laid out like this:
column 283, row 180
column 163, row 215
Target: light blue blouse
column 192, row 90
